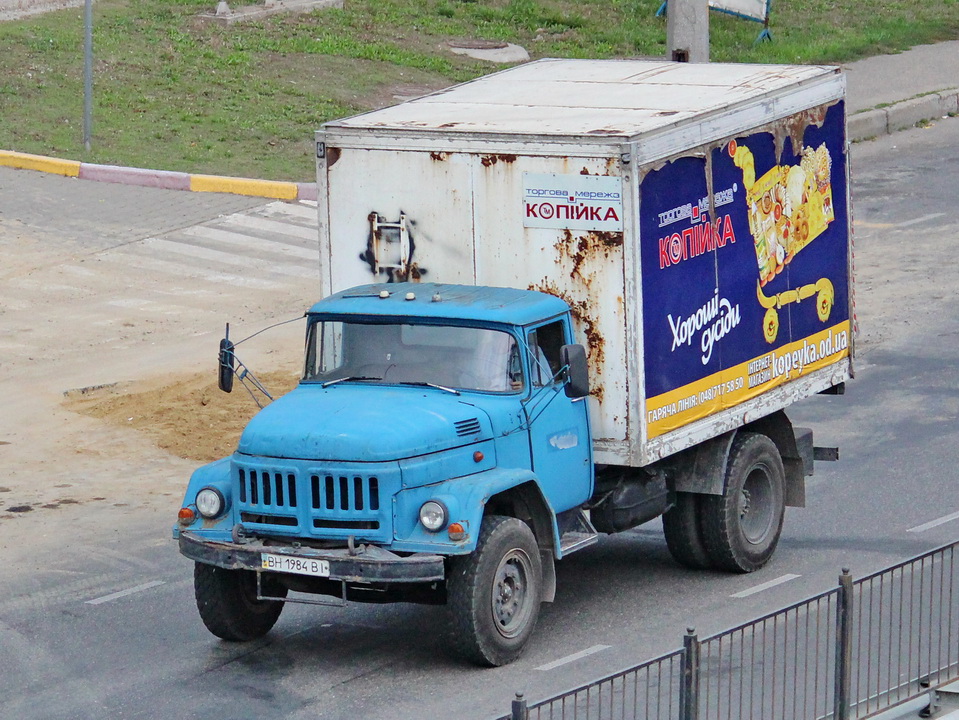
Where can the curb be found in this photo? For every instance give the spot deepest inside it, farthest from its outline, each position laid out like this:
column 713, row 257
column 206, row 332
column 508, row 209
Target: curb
column 164, row 179
column 903, row 115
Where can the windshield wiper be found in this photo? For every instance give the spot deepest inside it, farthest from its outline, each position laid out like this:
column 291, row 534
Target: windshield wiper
column 420, row 383
column 347, row 378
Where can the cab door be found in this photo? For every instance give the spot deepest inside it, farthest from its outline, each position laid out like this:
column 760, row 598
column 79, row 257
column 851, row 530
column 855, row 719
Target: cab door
column 561, row 450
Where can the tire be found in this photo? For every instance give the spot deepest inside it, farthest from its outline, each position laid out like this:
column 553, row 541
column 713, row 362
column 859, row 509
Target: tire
column 228, row 606
column 684, row 536
column 494, row 593
column 741, row 528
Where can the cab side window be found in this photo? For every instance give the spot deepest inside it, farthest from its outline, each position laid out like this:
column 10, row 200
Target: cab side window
column 544, row 344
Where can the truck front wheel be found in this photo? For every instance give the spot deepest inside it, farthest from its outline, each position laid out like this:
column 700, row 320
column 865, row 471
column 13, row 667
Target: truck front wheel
column 741, row 528
column 228, row 604
column 494, row 593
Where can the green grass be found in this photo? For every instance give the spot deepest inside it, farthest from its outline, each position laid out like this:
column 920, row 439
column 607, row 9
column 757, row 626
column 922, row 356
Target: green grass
column 174, row 92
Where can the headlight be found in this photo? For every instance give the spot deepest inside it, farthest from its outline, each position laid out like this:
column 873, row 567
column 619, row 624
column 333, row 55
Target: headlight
column 433, row 515
column 209, row 502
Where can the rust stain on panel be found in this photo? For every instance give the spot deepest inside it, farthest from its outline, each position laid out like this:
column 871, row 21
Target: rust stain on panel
column 581, row 249
column 490, row 160
column 579, row 309
column 794, row 127
column 611, row 170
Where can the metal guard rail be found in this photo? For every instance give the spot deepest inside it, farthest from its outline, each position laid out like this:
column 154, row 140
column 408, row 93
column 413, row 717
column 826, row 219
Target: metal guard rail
column 845, row 654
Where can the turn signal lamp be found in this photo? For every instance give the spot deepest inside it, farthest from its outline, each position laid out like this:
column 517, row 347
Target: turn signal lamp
column 186, row 516
column 456, row 531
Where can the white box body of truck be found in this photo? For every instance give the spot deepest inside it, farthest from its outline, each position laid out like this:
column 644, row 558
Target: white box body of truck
column 695, row 217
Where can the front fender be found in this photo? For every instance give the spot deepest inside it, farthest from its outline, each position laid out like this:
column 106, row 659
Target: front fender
column 215, row 474
column 465, row 499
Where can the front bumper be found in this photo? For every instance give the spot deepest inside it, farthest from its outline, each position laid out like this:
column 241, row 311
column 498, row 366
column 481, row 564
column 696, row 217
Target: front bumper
column 365, row 564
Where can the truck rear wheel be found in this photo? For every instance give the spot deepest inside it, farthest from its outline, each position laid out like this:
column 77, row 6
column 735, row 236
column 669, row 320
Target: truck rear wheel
column 494, row 593
column 684, row 536
column 228, row 605
column 741, row 528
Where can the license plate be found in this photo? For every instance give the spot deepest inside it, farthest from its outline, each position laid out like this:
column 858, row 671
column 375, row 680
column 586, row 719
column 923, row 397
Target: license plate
column 296, row 565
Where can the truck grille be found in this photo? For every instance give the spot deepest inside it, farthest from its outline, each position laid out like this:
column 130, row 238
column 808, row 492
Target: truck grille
column 345, row 502
column 297, row 499
column 268, row 488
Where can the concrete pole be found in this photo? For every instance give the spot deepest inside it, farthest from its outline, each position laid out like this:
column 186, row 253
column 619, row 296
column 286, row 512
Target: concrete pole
column 687, row 30
column 87, row 74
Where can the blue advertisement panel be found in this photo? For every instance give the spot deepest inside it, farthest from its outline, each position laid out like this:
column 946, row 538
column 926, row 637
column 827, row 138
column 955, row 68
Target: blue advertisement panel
column 745, row 267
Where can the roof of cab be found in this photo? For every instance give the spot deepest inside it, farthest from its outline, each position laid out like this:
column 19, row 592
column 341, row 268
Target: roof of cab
column 441, row 301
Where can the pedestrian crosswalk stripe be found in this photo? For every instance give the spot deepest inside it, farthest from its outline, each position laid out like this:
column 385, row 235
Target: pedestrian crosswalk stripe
column 256, row 268
column 251, row 222
column 289, row 209
column 149, row 306
column 180, row 269
column 46, row 287
column 247, row 241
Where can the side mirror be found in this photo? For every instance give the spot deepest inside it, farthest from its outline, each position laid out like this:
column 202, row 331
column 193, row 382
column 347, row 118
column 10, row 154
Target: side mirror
column 573, row 358
column 227, row 366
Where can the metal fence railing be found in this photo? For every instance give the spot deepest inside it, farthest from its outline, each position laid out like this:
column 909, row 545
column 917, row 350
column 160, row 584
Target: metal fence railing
column 846, row 654
column 779, row 666
column 905, row 636
column 652, row 690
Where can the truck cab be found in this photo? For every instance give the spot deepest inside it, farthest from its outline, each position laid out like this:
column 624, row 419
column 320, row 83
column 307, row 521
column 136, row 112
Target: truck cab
column 437, row 449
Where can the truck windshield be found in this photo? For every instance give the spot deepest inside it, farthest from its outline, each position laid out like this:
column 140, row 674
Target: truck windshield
column 464, row 358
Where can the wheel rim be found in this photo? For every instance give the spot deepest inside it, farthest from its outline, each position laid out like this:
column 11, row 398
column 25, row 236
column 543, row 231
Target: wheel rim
column 511, row 602
column 756, row 507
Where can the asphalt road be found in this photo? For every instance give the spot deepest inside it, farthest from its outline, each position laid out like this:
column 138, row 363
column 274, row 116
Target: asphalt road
column 96, row 610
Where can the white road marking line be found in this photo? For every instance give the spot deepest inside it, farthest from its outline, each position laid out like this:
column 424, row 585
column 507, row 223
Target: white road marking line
column 31, row 284
column 934, row 523
column 765, row 586
column 135, row 303
column 78, row 270
column 149, row 306
column 8, row 303
column 228, row 259
column 131, row 257
column 124, row 593
column 306, row 212
column 274, row 226
column 574, row 657
column 919, row 220
column 253, row 243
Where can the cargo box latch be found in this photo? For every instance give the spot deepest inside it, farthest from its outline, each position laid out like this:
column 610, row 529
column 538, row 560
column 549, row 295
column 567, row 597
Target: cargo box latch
column 389, row 245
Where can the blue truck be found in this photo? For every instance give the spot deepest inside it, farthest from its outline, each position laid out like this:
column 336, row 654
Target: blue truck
column 547, row 316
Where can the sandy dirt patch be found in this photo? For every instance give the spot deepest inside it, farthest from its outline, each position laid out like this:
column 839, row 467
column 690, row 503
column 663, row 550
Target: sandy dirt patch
column 187, row 415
